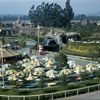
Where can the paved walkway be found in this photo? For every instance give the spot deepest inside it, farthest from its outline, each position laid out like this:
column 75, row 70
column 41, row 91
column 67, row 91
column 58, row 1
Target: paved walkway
column 88, row 96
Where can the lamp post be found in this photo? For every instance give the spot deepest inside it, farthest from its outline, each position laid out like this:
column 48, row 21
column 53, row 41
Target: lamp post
column 38, row 27
column 2, row 63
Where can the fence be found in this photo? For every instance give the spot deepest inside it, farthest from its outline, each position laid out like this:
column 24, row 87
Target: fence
column 51, row 96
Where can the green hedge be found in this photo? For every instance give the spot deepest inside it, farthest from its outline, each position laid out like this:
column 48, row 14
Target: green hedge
column 75, row 86
column 82, row 49
column 91, row 83
column 93, row 89
column 71, row 93
column 82, row 91
column 50, row 90
column 59, row 95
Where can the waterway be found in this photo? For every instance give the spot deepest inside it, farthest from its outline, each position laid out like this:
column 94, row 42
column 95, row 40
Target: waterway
column 83, row 61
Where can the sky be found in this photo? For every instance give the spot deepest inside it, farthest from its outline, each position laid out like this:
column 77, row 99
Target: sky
column 21, row 7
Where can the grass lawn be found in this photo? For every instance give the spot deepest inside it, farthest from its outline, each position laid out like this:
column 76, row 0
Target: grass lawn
column 82, row 49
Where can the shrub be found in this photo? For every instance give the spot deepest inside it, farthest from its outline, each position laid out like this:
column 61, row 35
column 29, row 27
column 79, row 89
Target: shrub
column 3, row 98
column 24, row 92
column 98, row 74
column 71, row 93
column 31, row 98
column 59, row 95
column 81, row 49
column 54, row 89
column 63, row 80
column 93, row 88
column 72, row 86
column 41, row 82
column 45, row 97
column 91, row 83
column 50, row 90
column 61, row 60
column 82, row 91
column 84, row 76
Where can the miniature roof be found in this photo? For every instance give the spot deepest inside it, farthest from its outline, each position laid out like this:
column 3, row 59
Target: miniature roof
column 8, row 53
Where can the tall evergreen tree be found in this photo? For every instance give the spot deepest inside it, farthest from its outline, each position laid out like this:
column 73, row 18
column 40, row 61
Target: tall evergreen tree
column 68, row 14
column 52, row 15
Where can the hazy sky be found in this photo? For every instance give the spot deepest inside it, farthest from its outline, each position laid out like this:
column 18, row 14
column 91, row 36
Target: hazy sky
column 23, row 6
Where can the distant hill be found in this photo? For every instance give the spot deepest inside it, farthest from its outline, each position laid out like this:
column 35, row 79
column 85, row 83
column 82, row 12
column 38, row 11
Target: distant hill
column 13, row 17
column 94, row 17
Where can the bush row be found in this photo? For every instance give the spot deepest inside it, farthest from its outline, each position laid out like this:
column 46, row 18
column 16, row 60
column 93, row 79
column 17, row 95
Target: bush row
column 49, row 90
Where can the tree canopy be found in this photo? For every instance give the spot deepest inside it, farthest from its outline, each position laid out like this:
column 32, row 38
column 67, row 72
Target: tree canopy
column 61, row 60
column 52, row 15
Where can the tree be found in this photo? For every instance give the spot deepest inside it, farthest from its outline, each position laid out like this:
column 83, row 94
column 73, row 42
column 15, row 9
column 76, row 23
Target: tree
column 82, row 17
column 51, row 15
column 98, row 74
column 84, row 76
column 61, row 60
column 15, row 84
column 41, row 82
column 64, row 80
column 94, row 53
column 68, row 15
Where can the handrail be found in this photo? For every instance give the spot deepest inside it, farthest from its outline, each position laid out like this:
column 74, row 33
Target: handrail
column 48, row 93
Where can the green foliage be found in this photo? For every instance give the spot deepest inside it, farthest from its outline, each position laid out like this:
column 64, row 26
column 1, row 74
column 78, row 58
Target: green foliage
column 93, row 88
column 91, row 83
column 71, row 93
column 54, row 89
column 94, row 53
column 82, row 91
column 84, row 17
column 83, row 49
column 13, row 17
column 61, row 60
column 71, row 86
column 41, row 82
column 84, row 76
column 64, row 80
column 50, row 90
column 15, row 84
column 98, row 74
column 14, row 67
column 23, row 38
column 59, row 95
column 68, row 15
column 87, row 32
column 45, row 30
column 24, row 92
column 52, row 15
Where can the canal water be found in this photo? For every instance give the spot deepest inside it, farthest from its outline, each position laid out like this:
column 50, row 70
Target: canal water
column 29, row 45
column 80, row 61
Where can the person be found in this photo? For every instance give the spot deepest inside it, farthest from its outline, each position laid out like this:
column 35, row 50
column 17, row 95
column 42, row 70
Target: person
column 30, row 51
column 40, row 49
column 34, row 52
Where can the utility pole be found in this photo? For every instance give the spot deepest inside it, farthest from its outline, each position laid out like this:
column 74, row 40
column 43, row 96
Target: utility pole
column 38, row 27
column 2, row 63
